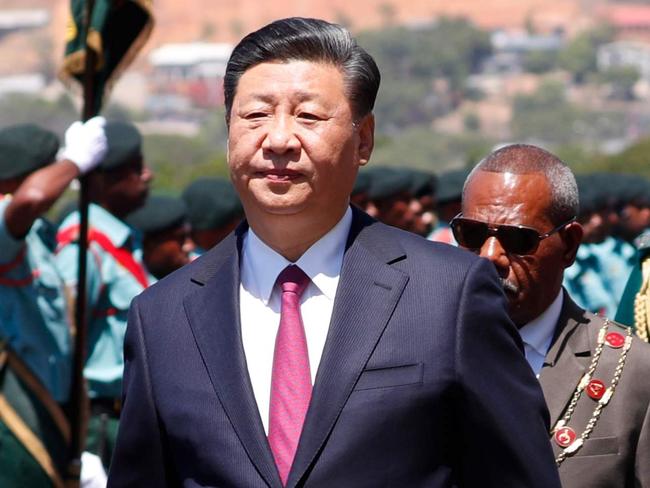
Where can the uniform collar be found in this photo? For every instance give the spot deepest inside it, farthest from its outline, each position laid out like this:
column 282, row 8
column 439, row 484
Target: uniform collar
column 105, row 222
column 321, row 262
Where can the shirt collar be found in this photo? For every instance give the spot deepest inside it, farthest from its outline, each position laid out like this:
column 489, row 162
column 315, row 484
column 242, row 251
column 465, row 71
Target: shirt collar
column 321, row 262
column 538, row 333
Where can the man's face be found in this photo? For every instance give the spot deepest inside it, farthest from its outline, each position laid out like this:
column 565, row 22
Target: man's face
column 531, row 282
column 166, row 251
column 208, row 238
column 402, row 211
column 293, row 146
column 126, row 188
column 634, row 220
column 594, row 226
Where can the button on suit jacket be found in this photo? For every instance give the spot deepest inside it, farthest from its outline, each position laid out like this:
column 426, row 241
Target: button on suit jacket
column 422, row 382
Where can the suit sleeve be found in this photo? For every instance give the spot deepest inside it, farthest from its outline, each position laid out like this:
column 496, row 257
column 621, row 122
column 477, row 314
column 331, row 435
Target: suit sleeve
column 138, row 459
column 503, row 420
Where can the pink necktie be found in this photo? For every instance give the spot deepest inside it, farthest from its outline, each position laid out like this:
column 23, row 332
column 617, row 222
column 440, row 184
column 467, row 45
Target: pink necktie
column 291, row 378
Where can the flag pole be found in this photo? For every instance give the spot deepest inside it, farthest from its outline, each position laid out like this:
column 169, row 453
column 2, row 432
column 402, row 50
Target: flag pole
column 78, row 399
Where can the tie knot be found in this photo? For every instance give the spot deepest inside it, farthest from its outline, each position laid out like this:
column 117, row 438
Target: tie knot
column 293, row 279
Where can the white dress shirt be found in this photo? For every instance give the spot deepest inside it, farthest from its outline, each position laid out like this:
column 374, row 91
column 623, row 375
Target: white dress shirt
column 538, row 334
column 259, row 302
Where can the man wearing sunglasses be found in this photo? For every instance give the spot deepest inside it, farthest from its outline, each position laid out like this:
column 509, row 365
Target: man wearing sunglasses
column 518, row 211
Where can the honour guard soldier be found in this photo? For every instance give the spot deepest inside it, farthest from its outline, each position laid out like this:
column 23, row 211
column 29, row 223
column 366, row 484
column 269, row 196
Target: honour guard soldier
column 634, row 309
column 615, row 254
column 519, row 211
column 584, row 280
column 390, row 192
column 214, row 210
column 35, row 332
column 448, row 196
column 115, row 274
column 166, row 243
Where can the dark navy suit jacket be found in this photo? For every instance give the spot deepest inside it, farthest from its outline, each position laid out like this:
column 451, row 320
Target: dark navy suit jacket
column 422, row 382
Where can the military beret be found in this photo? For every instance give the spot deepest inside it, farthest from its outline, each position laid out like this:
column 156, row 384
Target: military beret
column 160, row 212
column 211, row 203
column 636, row 190
column 422, row 182
column 450, row 185
column 25, row 148
column 610, row 189
column 386, row 182
column 586, row 195
column 124, row 144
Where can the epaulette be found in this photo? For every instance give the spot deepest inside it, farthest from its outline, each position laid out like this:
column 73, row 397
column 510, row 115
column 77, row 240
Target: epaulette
column 642, row 302
column 121, row 255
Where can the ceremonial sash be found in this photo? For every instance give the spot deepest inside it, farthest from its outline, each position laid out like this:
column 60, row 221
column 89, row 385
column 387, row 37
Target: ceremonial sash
column 14, row 263
column 121, row 255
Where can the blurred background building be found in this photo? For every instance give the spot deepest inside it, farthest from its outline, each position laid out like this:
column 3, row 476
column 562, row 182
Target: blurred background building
column 459, row 78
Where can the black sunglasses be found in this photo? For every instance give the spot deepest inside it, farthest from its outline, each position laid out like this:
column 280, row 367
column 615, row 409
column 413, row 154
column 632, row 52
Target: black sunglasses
column 515, row 239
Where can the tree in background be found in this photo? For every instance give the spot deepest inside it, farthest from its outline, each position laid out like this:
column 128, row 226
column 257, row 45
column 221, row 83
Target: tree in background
column 411, row 60
column 621, row 81
column 579, row 56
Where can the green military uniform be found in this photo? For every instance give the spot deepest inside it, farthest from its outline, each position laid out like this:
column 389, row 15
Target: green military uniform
column 35, row 341
column 160, row 214
column 584, row 282
column 617, row 259
column 634, row 309
column 115, row 275
column 449, row 192
column 596, row 273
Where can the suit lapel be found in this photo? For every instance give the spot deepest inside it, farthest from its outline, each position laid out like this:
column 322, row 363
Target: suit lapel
column 567, row 359
column 368, row 292
column 213, row 314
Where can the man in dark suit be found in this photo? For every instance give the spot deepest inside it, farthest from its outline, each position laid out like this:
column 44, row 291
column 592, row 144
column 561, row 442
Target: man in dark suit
column 519, row 209
column 315, row 346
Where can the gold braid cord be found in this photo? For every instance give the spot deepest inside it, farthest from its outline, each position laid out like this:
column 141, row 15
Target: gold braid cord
column 602, row 403
column 642, row 303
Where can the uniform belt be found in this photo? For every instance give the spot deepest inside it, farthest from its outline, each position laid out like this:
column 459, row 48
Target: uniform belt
column 106, row 406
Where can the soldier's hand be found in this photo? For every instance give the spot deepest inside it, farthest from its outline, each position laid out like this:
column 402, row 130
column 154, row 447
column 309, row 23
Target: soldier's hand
column 85, row 144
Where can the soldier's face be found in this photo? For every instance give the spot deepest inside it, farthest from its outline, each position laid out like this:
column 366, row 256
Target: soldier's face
column 167, row 251
column 294, row 146
column 531, row 282
column 126, row 188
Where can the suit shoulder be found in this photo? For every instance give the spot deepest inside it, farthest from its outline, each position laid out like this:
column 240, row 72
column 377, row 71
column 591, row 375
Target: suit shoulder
column 175, row 286
column 417, row 245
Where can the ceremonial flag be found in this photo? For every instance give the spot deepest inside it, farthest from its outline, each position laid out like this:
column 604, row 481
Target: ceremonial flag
column 103, row 37
column 117, row 31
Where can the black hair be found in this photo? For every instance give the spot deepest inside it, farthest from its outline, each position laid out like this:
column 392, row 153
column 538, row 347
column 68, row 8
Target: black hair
column 303, row 39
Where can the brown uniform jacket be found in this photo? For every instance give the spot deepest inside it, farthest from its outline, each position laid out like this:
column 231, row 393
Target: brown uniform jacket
column 617, row 453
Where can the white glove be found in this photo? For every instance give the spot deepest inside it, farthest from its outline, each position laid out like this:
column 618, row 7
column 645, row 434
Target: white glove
column 85, row 144
column 93, row 474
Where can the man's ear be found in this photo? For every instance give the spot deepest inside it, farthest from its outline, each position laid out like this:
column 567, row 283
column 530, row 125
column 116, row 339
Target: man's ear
column 366, row 138
column 572, row 238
